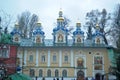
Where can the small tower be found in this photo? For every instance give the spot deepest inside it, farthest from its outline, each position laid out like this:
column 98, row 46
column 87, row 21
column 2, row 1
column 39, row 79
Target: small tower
column 98, row 36
column 60, row 33
column 78, row 35
column 16, row 34
column 38, row 34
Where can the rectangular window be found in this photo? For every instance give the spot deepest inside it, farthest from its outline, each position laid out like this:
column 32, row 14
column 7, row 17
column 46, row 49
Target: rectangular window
column 54, row 58
column 4, row 53
column 66, row 58
column 31, row 58
column 98, row 63
column 43, row 58
column 98, row 60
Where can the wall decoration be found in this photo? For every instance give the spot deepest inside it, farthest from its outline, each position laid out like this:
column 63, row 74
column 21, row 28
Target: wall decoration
column 60, row 38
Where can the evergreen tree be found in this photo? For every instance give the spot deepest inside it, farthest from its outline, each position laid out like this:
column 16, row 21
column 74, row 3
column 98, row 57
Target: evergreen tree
column 118, row 67
column 116, row 35
column 116, row 26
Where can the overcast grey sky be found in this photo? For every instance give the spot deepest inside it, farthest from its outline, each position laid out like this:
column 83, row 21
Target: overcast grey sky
column 47, row 10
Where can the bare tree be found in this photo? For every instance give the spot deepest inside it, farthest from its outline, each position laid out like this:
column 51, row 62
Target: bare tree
column 34, row 19
column 6, row 20
column 66, row 24
column 96, row 17
column 92, row 19
column 27, row 23
column 23, row 21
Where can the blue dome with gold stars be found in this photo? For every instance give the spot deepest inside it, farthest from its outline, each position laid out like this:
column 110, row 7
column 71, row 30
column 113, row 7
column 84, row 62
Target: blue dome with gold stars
column 97, row 32
column 38, row 31
column 16, row 30
column 60, row 28
column 78, row 30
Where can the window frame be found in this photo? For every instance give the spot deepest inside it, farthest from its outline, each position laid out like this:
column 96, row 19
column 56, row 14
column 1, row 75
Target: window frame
column 100, row 64
column 54, row 58
column 31, row 58
column 6, row 52
column 64, row 73
column 32, row 72
column 49, row 73
column 66, row 59
column 40, row 73
column 56, row 73
column 43, row 58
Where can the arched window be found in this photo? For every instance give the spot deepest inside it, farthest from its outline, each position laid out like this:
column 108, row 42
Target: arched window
column 60, row 38
column 32, row 72
column 80, row 74
column 56, row 73
column 49, row 73
column 64, row 73
column 38, row 39
column 40, row 73
column 79, row 40
column 98, row 41
column 16, row 39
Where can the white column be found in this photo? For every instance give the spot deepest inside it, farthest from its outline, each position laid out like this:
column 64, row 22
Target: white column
column 25, row 56
column 75, row 72
column 60, row 58
column 84, row 57
column 20, row 58
column 48, row 58
column 71, row 58
column 36, row 57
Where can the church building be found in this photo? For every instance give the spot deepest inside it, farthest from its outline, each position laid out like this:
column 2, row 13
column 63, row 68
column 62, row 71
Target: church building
column 60, row 57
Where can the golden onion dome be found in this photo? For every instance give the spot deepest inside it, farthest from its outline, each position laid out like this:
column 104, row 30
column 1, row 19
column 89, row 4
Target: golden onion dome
column 78, row 24
column 16, row 24
column 97, row 26
column 39, row 23
column 60, row 19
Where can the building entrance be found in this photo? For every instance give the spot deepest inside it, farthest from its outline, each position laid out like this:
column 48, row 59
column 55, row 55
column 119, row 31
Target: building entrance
column 98, row 76
column 80, row 75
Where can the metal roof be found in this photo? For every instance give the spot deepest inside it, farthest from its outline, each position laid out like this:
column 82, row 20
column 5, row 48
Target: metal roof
column 49, row 43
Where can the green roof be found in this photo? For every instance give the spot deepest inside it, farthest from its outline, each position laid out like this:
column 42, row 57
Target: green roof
column 20, row 76
column 49, row 43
